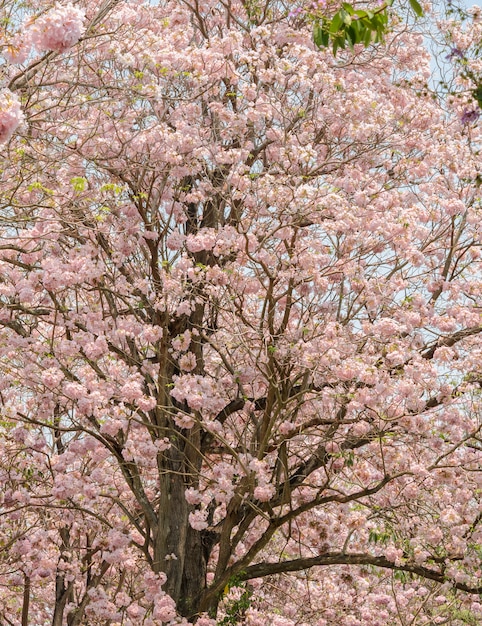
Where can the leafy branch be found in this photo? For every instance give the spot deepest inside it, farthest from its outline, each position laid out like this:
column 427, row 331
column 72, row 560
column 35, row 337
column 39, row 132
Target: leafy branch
column 350, row 26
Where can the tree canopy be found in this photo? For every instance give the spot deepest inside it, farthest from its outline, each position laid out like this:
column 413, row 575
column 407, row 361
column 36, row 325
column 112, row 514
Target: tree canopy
column 240, row 314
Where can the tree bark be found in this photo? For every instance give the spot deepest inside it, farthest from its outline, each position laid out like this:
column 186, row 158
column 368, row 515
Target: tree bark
column 173, row 522
column 194, row 574
column 26, row 600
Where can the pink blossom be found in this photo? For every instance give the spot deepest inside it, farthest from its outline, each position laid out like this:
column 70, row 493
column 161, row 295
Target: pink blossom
column 450, row 517
column 286, row 427
column 197, row 519
column 184, row 420
column 112, row 427
column 337, row 464
column 188, row 361
column 165, row 609
column 193, row 496
column 264, row 492
column 182, row 342
column 134, row 611
column 146, row 404
column 175, row 241
column 205, row 621
column 18, row 48
column 75, row 391
column 152, row 333
column 205, row 240
column 59, row 29
column 131, row 391
column 11, row 115
column 52, row 377
column 184, row 308
column 163, row 444
column 393, row 554
column 332, row 447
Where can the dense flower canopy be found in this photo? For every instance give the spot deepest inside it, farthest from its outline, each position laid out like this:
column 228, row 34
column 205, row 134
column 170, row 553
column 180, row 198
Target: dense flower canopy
column 240, row 336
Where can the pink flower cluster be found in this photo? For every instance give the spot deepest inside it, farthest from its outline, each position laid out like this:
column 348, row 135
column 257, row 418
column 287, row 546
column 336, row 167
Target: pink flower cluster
column 59, row 29
column 11, row 115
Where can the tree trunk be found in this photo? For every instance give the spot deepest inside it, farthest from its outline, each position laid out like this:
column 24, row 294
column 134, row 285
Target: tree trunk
column 193, row 581
column 180, row 551
column 61, row 596
column 26, row 600
column 170, row 542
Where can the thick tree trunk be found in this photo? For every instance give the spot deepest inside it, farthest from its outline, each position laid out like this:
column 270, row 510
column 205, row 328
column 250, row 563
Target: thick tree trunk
column 193, row 581
column 187, row 550
column 170, row 542
column 179, row 551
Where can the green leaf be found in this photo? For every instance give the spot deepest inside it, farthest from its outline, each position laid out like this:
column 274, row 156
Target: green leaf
column 368, row 37
column 353, row 35
column 336, row 23
column 317, row 34
column 348, row 8
column 382, row 18
column 345, row 17
column 320, row 36
column 416, row 7
column 350, row 26
column 79, row 183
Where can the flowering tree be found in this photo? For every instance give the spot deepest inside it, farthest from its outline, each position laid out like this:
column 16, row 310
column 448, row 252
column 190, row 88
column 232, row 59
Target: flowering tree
column 240, row 314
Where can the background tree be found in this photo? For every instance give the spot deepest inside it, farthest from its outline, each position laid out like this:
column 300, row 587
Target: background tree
column 462, row 37
column 240, row 317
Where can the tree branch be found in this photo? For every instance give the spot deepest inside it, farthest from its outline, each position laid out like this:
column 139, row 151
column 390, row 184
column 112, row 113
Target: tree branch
column 451, row 340
column 262, row 569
